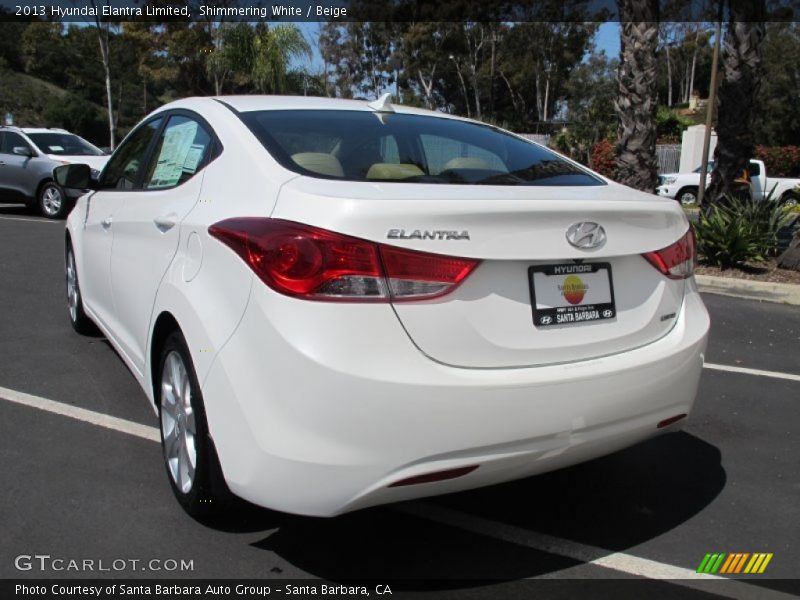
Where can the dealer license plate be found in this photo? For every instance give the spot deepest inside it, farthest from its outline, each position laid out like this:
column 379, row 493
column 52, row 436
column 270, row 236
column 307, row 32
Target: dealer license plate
column 571, row 293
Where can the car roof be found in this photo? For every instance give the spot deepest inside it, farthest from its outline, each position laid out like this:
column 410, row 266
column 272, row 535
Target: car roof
column 42, row 130
column 250, row 103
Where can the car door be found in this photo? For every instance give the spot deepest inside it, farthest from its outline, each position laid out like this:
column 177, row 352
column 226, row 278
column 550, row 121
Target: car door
column 17, row 173
column 5, row 189
column 147, row 228
column 118, row 180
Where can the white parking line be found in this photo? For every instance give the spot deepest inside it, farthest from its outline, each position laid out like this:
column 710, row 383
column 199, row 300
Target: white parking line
column 757, row 372
column 3, row 218
column 81, row 414
column 584, row 553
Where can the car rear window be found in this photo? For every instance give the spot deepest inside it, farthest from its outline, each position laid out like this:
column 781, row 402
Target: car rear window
column 372, row 146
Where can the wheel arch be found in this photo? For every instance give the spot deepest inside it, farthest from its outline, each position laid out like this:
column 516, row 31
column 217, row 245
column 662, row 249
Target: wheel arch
column 164, row 325
column 45, row 180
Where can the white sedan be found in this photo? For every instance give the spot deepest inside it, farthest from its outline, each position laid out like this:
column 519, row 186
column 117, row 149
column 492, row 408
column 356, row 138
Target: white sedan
column 333, row 304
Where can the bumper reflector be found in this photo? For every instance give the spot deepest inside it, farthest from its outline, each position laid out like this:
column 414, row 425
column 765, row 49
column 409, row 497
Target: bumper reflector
column 670, row 421
column 435, row 476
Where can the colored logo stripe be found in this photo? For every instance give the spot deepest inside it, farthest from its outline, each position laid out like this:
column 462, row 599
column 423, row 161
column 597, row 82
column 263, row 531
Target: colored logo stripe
column 758, row 563
column 711, row 563
column 733, row 563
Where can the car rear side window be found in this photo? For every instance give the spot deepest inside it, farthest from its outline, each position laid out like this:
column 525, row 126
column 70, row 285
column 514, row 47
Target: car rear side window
column 65, row 144
column 182, row 149
column 122, row 170
column 354, row 145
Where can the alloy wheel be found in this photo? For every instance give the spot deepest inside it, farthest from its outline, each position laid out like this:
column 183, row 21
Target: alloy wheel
column 178, row 424
column 73, row 291
column 51, row 200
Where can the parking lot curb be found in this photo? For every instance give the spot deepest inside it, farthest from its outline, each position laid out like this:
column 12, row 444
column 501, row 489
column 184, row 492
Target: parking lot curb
column 783, row 293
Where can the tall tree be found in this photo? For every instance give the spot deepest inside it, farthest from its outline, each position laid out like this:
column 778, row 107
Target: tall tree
column 103, row 35
column 591, row 90
column 737, row 93
column 273, row 49
column 360, row 55
column 425, row 60
column 777, row 122
column 233, row 53
column 636, row 103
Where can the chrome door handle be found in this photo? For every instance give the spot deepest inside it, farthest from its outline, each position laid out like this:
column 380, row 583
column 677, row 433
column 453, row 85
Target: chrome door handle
column 166, row 222
column 106, row 223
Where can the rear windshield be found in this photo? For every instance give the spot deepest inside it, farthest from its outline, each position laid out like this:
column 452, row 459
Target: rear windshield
column 65, row 144
column 368, row 146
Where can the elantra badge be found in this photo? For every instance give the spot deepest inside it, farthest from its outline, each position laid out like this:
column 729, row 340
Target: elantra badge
column 586, row 235
column 427, row 234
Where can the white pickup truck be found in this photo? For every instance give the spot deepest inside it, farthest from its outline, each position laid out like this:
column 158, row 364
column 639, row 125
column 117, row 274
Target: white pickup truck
column 683, row 186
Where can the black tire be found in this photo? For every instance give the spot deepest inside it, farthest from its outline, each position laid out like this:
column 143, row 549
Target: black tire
column 687, row 195
column 207, row 492
column 52, row 201
column 790, row 199
column 77, row 317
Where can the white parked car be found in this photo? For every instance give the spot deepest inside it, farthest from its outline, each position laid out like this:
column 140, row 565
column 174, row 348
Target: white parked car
column 333, row 304
column 683, row 186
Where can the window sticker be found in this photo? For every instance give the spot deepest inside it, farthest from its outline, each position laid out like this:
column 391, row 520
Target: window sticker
column 174, row 150
column 193, row 158
column 56, row 148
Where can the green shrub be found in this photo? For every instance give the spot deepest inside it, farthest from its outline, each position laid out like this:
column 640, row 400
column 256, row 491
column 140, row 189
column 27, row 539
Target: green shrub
column 740, row 231
column 670, row 125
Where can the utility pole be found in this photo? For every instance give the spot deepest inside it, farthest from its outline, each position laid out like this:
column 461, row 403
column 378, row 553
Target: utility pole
column 712, row 101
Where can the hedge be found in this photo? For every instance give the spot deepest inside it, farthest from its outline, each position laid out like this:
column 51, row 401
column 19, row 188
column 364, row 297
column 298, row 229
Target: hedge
column 780, row 161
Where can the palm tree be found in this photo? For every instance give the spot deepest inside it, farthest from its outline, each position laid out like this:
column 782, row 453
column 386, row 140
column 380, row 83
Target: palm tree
column 741, row 78
column 273, row 49
column 636, row 100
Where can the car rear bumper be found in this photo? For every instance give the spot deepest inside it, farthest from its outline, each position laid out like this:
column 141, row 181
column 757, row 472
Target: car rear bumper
column 316, row 413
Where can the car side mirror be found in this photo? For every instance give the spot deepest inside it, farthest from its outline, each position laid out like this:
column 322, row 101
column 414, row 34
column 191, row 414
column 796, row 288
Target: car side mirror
column 75, row 176
column 22, row 151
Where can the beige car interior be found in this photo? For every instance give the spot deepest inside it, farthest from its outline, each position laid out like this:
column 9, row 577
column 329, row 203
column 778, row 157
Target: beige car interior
column 393, row 171
column 319, row 162
column 328, row 164
column 465, row 162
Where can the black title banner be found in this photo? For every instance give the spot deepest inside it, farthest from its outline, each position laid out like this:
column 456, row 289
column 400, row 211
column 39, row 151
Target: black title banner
column 373, row 10
column 445, row 589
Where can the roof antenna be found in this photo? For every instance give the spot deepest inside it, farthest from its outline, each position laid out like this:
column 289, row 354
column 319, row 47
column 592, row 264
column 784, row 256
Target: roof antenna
column 382, row 104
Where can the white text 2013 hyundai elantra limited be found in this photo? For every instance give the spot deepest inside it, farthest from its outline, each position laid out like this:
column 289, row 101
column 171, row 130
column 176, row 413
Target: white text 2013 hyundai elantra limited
column 334, row 304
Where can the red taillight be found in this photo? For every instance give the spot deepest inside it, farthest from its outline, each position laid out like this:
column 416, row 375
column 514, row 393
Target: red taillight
column 316, row 264
column 677, row 261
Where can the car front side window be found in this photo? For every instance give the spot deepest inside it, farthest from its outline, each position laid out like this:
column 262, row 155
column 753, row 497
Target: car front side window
column 13, row 140
column 123, row 169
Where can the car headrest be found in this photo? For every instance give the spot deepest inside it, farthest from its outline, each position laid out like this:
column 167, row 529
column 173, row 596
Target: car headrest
column 393, row 171
column 319, row 162
column 465, row 162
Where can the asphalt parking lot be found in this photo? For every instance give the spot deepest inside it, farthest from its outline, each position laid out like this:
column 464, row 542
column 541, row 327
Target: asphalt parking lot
column 76, row 486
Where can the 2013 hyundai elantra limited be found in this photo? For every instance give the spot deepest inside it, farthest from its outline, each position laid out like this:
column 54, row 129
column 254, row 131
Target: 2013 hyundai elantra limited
column 333, row 304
